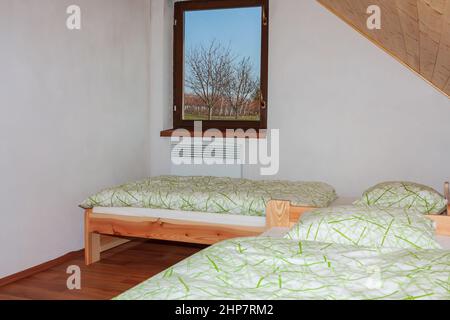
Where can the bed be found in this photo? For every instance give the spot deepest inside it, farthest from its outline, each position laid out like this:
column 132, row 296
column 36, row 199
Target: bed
column 203, row 210
column 271, row 267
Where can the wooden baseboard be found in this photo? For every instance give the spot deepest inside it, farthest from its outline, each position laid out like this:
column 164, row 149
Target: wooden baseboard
column 39, row 268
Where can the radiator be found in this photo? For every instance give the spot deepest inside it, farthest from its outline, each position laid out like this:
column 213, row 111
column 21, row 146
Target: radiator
column 207, row 157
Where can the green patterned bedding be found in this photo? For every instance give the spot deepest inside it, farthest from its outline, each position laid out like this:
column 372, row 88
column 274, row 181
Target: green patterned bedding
column 212, row 194
column 367, row 227
column 268, row 268
column 402, row 194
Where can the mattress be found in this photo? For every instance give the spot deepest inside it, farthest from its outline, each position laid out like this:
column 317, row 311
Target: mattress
column 194, row 216
column 212, row 194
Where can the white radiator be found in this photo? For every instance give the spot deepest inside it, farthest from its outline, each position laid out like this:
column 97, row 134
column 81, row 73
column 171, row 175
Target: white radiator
column 207, row 157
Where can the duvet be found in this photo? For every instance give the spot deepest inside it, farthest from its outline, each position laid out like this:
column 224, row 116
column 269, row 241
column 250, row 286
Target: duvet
column 212, row 194
column 276, row 268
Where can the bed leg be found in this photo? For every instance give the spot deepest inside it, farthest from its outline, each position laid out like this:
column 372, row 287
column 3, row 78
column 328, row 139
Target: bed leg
column 91, row 242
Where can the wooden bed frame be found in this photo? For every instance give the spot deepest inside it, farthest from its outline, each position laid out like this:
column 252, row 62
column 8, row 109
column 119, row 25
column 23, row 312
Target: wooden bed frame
column 281, row 214
column 102, row 231
column 106, row 231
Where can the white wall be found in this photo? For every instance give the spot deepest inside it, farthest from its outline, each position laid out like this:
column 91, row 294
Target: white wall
column 161, row 91
column 348, row 113
column 357, row 115
column 74, row 118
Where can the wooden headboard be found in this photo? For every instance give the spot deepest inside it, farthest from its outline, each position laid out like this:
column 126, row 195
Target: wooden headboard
column 281, row 213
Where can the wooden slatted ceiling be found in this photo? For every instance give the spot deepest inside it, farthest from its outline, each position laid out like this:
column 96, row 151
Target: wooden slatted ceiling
column 417, row 32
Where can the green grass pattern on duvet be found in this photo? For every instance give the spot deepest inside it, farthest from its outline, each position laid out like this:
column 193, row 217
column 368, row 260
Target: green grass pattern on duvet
column 212, row 194
column 399, row 194
column 368, row 227
column 268, row 268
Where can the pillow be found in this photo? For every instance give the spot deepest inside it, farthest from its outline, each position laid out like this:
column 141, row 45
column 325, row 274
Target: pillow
column 404, row 195
column 366, row 227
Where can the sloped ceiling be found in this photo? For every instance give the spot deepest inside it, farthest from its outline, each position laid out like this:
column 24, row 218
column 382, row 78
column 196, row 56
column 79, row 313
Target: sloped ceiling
column 417, row 32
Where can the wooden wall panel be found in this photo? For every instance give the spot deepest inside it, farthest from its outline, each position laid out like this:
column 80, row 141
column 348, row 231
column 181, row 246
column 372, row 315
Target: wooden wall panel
column 447, row 87
column 430, row 26
column 416, row 32
column 409, row 15
column 441, row 75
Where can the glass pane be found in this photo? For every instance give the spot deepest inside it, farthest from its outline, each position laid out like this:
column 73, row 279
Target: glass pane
column 222, row 64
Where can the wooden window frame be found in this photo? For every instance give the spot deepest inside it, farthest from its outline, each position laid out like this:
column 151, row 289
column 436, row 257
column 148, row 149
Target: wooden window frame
column 178, row 62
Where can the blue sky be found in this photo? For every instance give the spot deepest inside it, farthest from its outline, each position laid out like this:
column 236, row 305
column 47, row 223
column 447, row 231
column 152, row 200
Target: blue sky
column 238, row 28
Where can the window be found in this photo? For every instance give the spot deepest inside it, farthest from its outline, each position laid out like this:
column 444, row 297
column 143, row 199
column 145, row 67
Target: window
column 220, row 64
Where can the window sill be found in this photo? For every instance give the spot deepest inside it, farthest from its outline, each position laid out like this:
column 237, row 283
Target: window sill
column 261, row 134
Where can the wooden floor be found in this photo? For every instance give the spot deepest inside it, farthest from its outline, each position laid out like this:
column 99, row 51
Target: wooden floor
column 120, row 269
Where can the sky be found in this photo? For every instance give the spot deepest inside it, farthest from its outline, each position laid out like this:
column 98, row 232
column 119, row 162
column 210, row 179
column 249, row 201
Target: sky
column 239, row 29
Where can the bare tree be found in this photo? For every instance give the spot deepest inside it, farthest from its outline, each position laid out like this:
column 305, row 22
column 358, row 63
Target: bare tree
column 241, row 87
column 224, row 86
column 209, row 71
